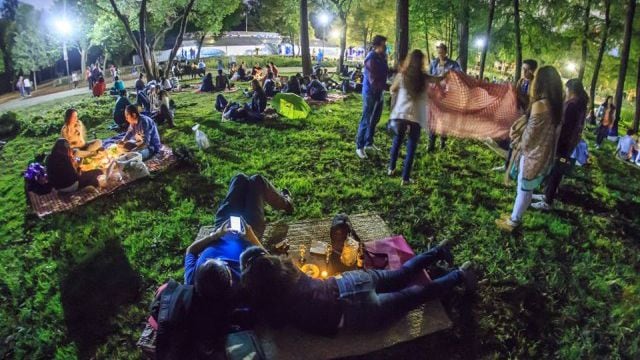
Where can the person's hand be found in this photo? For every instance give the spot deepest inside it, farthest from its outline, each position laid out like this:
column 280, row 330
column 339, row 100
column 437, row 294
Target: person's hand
column 222, row 230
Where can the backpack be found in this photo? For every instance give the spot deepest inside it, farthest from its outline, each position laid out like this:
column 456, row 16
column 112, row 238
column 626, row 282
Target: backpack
column 166, row 334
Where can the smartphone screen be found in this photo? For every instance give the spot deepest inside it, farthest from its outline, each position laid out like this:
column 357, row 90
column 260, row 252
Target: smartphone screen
column 236, row 224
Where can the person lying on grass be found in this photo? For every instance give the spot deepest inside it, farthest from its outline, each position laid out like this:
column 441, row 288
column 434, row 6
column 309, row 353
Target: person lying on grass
column 251, row 113
column 221, row 249
column 63, row 170
column 142, row 133
column 75, row 133
column 358, row 300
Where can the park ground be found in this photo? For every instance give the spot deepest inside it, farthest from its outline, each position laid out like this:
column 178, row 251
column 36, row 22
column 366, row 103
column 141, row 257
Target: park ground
column 78, row 284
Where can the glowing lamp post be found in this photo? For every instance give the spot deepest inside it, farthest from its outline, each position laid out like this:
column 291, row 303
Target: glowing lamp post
column 324, row 19
column 65, row 29
column 480, row 44
column 571, row 67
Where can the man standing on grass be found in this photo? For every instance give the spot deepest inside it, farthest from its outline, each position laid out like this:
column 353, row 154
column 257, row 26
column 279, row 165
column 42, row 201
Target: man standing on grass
column 438, row 67
column 374, row 83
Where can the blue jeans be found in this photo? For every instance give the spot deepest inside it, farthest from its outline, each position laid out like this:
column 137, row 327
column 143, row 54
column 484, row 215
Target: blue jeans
column 371, row 111
column 246, row 198
column 373, row 298
column 412, row 143
column 147, row 153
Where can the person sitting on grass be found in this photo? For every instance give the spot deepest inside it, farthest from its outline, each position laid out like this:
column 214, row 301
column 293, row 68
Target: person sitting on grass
column 256, row 72
column 165, row 113
column 207, row 84
column 99, row 88
column 293, row 85
column 118, row 85
column 626, row 146
column 274, row 69
column 249, row 112
column 118, row 111
column 165, row 84
column 269, row 85
column 359, row 300
column 316, row 90
column 142, row 133
column 143, row 101
column 75, row 133
column 64, row 173
column 140, row 85
column 222, row 82
column 326, row 79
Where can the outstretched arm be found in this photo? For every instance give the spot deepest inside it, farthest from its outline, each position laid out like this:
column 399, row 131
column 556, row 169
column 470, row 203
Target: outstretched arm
column 200, row 244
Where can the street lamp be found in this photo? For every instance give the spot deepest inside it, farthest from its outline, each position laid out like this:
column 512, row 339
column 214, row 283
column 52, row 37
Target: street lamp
column 571, row 67
column 324, row 19
column 65, row 29
column 480, row 44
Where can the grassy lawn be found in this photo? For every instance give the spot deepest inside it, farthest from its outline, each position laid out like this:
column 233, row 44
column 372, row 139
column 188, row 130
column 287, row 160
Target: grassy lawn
column 78, row 284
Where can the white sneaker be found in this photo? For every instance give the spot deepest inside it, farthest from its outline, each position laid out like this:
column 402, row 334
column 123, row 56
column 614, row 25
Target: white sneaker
column 499, row 168
column 542, row 205
column 372, row 147
column 361, row 154
column 538, row 197
column 391, row 172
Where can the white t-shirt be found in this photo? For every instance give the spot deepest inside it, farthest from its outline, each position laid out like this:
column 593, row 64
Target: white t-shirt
column 27, row 83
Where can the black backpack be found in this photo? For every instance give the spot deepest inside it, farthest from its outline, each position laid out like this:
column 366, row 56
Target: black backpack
column 166, row 334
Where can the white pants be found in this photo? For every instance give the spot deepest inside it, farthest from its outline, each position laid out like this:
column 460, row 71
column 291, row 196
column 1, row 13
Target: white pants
column 523, row 197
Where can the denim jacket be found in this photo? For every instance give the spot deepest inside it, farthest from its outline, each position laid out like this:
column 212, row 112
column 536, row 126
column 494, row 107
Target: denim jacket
column 448, row 66
column 148, row 130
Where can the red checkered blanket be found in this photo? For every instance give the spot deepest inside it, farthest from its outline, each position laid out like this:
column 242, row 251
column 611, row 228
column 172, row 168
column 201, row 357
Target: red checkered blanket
column 54, row 201
column 468, row 108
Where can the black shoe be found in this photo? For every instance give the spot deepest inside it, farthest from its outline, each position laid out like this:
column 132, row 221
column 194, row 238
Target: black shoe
column 444, row 248
column 469, row 276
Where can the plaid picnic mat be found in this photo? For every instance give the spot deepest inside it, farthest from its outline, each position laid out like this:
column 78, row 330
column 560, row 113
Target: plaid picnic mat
column 331, row 98
column 469, row 108
column 54, row 201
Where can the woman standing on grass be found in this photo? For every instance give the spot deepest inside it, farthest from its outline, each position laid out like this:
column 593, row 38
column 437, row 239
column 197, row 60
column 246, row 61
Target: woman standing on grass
column 538, row 142
column 607, row 121
column 409, row 110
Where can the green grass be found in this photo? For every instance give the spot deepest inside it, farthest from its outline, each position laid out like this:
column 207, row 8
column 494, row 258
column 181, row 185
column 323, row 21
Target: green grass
column 78, row 284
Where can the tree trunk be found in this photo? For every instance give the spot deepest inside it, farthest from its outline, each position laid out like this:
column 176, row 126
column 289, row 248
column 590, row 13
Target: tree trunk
column 178, row 43
column 492, row 8
column 35, row 81
column 603, row 45
column 83, row 60
column 463, row 46
column 105, row 55
column 624, row 61
column 204, row 34
column 636, row 117
column 343, row 43
column 402, row 31
column 585, row 34
column 516, row 24
column 304, row 38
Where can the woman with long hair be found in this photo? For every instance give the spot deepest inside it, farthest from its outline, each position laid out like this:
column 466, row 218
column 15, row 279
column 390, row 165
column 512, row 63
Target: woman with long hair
column 63, row 171
column 607, row 120
column 357, row 300
column 538, row 142
column 575, row 107
column 409, row 110
column 75, row 133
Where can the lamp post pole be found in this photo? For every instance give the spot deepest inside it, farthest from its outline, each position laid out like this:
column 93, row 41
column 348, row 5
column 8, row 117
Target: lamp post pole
column 65, row 55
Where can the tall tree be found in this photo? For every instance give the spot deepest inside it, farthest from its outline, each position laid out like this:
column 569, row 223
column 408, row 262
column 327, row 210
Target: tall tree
column 624, row 59
column 370, row 17
column 402, row 31
column 636, row 117
column 492, row 8
column 343, row 7
column 7, row 23
column 304, row 38
column 154, row 20
column 518, row 45
column 585, row 38
column 604, row 33
column 209, row 18
column 463, row 35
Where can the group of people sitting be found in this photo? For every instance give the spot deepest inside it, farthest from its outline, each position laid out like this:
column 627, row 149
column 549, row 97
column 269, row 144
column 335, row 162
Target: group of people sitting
column 153, row 97
column 236, row 281
column 63, row 164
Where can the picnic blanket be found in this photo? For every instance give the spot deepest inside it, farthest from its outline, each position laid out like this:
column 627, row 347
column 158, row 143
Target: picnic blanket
column 331, row 98
column 291, row 343
column 465, row 107
column 54, row 201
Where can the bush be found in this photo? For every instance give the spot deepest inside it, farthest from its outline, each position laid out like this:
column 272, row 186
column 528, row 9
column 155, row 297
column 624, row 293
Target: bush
column 9, row 124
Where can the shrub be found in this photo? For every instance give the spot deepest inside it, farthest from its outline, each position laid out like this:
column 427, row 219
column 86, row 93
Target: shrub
column 9, row 124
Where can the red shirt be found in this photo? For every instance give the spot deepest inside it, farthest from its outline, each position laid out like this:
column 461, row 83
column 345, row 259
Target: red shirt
column 99, row 89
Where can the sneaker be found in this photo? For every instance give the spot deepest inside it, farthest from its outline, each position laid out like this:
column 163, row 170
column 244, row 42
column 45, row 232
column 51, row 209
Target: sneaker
column 372, row 147
column 538, row 197
column 506, row 224
column 470, row 277
column 391, row 172
column 542, row 205
column 361, row 154
column 499, row 168
column 407, row 182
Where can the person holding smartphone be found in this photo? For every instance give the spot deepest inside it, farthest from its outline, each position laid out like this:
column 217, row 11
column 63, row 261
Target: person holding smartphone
column 212, row 263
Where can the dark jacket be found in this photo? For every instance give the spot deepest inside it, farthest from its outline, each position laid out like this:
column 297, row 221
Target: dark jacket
column 574, row 114
column 118, row 110
column 258, row 102
column 375, row 73
column 61, row 171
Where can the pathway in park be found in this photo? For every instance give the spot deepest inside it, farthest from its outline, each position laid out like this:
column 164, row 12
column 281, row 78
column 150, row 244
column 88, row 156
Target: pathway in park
column 36, row 100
